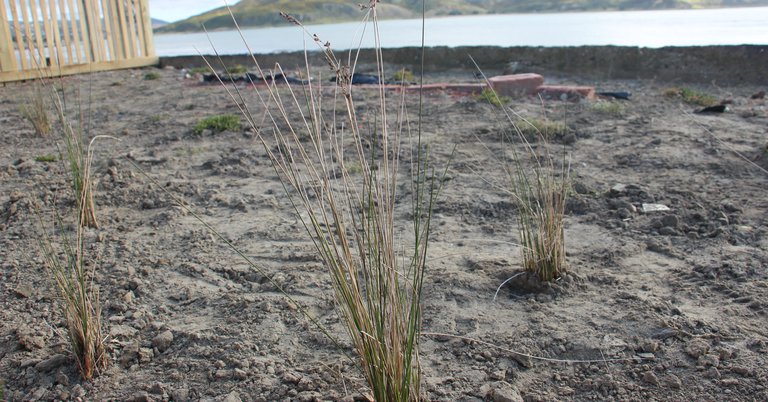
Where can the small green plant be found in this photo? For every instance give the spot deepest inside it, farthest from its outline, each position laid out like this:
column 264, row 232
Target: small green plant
column 218, row 124
column 403, row 76
column 151, row 76
column 534, row 129
column 490, row 96
column 46, row 158
column 691, row 96
column 609, row 107
column 237, row 69
column 37, row 111
column 199, row 70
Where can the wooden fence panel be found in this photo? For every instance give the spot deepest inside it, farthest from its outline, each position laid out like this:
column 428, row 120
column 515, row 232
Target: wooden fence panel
column 59, row 37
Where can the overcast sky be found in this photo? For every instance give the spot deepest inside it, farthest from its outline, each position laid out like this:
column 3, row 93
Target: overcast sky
column 174, row 10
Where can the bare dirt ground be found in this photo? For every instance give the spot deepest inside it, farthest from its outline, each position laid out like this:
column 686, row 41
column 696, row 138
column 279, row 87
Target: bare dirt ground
column 661, row 305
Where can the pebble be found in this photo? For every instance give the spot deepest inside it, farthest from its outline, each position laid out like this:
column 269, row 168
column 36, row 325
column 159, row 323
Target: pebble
column 650, row 378
column 506, row 393
column 672, row 381
column 163, row 340
column 179, row 395
column 712, row 373
column 697, row 348
column 233, row 397
column 730, row 382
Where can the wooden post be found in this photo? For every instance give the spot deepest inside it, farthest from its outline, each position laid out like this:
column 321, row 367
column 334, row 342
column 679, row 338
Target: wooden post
column 17, row 30
column 66, row 32
column 7, row 52
column 146, row 23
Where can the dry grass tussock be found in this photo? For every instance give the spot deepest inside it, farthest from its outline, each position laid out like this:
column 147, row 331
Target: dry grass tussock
column 538, row 186
column 343, row 181
column 64, row 253
column 66, row 259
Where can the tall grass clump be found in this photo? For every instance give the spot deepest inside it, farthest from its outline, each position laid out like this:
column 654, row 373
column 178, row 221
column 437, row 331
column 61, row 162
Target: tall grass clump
column 78, row 158
column 36, row 111
column 539, row 189
column 344, row 181
column 66, row 259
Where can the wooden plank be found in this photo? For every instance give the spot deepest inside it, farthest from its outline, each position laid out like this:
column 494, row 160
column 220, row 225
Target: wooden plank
column 17, row 30
column 130, row 13
column 85, row 36
column 74, row 15
column 37, row 48
column 141, row 50
column 54, row 22
column 49, row 44
column 66, row 32
column 77, row 69
column 146, row 21
column 112, row 24
column 123, row 32
column 107, row 16
column 7, row 52
column 97, row 33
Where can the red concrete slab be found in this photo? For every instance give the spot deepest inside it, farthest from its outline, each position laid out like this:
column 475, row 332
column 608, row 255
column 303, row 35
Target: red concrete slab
column 516, row 84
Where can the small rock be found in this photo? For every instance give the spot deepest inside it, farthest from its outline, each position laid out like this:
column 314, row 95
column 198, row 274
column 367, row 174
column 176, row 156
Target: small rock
column 742, row 371
column 62, row 378
column 146, row 355
column 163, row 340
column 565, row 391
column 709, row 360
column 647, row 356
column 233, row 397
column 180, row 395
column 239, row 374
column 128, row 297
column 130, row 354
column 156, row 389
column 672, row 381
column 498, row 375
column 729, row 382
column 712, row 373
column 671, row 221
column 51, row 363
column 651, row 346
column 141, row 396
column 122, row 331
column 618, row 189
column 506, row 393
column 650, row 378
column 697, row 348
column 24, row 290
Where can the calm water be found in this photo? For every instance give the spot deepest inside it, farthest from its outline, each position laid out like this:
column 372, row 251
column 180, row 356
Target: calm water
column 733, row 26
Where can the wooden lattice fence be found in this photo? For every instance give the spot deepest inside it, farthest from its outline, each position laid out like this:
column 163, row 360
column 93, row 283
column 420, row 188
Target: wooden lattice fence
column 60, row 37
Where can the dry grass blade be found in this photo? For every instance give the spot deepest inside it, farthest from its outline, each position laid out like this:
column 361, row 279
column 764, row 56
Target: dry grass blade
column 78, row 297
column 343, row 184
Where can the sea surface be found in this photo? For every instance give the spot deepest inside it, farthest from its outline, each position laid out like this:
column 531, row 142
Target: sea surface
column 653, row 29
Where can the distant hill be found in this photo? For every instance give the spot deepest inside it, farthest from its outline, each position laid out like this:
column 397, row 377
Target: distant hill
column 156, row 23
column 256, row 13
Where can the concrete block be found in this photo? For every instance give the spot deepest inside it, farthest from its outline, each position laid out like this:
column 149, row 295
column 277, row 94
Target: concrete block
column 516, row 84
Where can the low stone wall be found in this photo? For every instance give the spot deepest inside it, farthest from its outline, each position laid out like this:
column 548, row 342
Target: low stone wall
column 746, row 64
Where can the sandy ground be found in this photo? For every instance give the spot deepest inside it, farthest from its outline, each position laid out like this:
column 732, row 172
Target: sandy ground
column 662, row 305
